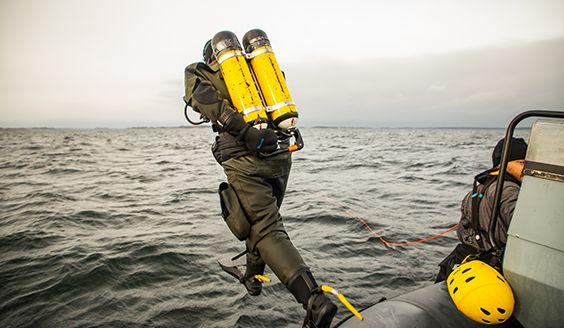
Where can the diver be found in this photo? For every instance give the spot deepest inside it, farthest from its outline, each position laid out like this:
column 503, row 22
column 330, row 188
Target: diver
column 477, row 207
column 258, row 184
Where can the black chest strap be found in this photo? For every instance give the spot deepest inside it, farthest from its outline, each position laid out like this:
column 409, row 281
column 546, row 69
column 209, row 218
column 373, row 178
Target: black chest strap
column 478, row 193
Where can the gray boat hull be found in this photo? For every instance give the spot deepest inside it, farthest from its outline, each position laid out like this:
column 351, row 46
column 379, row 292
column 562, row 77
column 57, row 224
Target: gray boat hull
column 427, row 307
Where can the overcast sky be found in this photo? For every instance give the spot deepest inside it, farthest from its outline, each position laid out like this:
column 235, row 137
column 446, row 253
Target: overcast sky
column 71, row 63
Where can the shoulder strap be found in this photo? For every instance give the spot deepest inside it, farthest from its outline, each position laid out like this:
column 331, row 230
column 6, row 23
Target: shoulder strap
column 478, row 193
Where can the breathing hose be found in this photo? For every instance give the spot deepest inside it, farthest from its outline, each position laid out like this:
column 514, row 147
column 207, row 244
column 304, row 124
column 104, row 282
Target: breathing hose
column 204, row 119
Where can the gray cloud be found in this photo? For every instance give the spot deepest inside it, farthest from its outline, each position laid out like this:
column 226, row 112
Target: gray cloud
column 483, row 87
column 106, row 63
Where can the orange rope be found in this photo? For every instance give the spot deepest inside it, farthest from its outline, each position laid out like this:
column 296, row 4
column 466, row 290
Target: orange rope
column 406, row 243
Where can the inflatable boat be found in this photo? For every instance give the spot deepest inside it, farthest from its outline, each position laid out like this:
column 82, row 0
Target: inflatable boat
column 533, row 261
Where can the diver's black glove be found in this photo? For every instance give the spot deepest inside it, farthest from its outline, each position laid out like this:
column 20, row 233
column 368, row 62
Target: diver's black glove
column 264, row 141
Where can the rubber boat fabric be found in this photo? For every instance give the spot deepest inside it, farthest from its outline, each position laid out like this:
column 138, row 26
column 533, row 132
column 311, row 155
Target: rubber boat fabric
column 428, row 307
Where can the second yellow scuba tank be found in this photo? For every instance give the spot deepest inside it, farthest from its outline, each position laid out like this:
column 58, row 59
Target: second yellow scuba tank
column 280, row 106
column 238, row 78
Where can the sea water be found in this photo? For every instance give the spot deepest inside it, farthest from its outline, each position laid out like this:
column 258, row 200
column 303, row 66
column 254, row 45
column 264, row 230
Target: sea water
column 121, row 227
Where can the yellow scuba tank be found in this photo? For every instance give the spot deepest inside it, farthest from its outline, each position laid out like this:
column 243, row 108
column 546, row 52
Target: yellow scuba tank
column 280, row 106
column 238, row 78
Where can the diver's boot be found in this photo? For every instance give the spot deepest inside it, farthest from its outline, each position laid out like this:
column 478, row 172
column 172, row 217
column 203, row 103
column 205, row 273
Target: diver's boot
column 253, row 286
column 320, row 309
column 255, row 266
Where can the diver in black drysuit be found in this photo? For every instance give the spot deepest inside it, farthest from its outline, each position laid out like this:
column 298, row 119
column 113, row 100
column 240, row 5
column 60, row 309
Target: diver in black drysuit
column 259, row 183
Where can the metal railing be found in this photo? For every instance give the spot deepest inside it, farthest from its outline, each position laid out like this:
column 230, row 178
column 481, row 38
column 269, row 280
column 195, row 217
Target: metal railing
column 503, row 164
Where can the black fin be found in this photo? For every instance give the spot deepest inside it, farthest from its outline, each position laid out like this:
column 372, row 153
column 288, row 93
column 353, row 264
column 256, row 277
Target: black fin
column 233, row 271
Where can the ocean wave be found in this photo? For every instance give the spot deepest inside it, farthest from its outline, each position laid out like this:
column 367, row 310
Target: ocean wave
column 27, row 240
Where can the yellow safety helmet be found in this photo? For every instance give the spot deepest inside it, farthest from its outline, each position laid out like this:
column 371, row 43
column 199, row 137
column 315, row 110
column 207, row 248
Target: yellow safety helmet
column 481, row 293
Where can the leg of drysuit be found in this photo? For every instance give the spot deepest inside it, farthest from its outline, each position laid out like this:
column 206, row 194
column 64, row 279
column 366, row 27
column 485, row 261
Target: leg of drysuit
column 281, row 255
column 260, row 186
column 261, row 193
column 277, row 248
column 255, row 264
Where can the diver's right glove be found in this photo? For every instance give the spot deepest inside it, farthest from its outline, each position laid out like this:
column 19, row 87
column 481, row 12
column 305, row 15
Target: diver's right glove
column 264, row 141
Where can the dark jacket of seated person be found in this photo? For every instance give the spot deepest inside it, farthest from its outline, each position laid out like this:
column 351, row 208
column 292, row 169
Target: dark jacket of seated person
column 473, row 230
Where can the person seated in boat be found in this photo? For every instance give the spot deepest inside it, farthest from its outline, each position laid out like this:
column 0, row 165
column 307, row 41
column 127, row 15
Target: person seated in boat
column 473, row 227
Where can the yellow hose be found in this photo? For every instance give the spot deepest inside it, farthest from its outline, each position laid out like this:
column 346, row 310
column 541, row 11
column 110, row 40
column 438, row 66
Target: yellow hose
column 343, row 300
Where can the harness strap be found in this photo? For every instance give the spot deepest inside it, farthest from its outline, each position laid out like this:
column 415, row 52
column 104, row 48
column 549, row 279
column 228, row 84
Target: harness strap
column 236, row 257
column 216, row 127
column 478, row 193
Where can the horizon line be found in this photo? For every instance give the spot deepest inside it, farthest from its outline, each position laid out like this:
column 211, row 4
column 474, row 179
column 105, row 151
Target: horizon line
column 203, row 127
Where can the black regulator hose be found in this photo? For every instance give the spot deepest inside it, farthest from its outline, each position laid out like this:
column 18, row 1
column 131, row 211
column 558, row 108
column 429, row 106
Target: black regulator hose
column 204, row 120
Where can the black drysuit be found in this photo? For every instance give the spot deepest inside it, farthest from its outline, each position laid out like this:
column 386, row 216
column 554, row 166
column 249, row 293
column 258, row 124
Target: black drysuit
column 260, row 183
